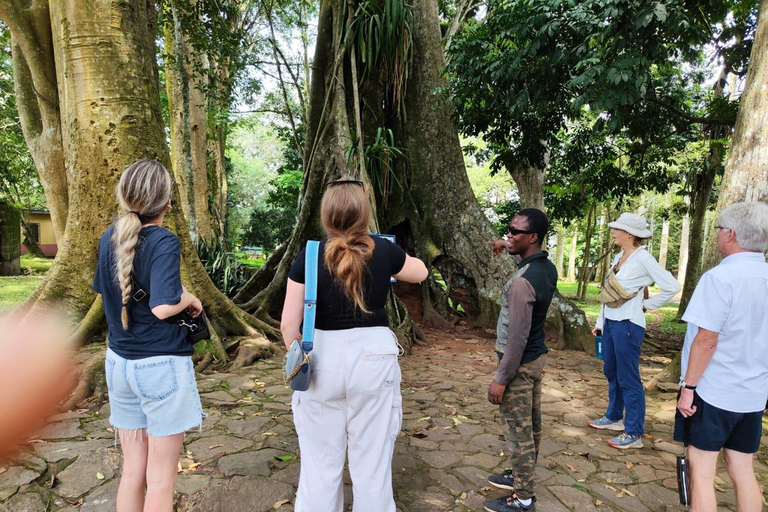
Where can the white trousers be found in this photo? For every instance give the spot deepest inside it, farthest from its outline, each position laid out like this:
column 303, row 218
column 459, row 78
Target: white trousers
column 353, row 407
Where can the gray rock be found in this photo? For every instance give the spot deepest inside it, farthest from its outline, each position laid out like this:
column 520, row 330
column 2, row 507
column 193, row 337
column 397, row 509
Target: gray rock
column 13, row 478
column 83, row 475
column 206, row 448
column 439, row 459
column 102, row 499
column 243, row 494
column 575, row 498
column 256, row 463
column 218, row 397
column 190, row 484
column 428, row 501
column 248, row 426
column 24, row 502
column 477, row 477
column 63, row 430
column 54, row 452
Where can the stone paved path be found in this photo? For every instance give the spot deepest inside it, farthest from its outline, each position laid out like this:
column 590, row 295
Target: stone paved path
column 245, row 458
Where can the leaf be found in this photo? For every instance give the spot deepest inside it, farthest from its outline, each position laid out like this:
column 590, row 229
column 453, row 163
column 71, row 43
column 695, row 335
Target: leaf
column 100, row 476
column 629, row 465
column 579, row 487
column 215, row 446
column 598, row 503
column 280, row 503
column 284, row 458
column 463, row 496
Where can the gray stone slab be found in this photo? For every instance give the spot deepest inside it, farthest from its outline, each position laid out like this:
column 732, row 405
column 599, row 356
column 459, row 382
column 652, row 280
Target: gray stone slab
column 422, row 501
column 66, row 429
column 248, row 426
column 24, row 502
column 54, row 452
column 243, row 494
column 218, row 397
column 476, row 476
column 190, row 483
column 13, row 478
column 83, row 475
column 102, row 499
column 208, row 447
column 439, row 459
column 575, row 498
column 253, row 463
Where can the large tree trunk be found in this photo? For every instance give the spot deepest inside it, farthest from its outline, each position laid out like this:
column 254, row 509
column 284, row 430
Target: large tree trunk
column 187, row 105
column 530, row 186
column 700, row 196
column 108, row 93
column 746, row 169
column 682, row 262
column 34, row 77
column 559, row 259
column 664, row 243
column 586, row 268
column 572, row 254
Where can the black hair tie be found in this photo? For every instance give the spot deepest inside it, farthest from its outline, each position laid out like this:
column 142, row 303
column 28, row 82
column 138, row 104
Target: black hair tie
column 135, row 213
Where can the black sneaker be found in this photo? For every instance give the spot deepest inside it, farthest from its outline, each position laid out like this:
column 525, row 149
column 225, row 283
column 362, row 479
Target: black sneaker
column 509, row 503
column 503, row 481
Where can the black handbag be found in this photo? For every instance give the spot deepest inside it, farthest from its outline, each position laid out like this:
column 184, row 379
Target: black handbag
column 197, row 328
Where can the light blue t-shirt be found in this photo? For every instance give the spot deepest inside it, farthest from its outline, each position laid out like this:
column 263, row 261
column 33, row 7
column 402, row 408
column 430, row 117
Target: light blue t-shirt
column 732, row 300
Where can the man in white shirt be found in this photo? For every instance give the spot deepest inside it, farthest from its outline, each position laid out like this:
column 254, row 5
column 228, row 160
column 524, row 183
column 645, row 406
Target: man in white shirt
column 724, row 384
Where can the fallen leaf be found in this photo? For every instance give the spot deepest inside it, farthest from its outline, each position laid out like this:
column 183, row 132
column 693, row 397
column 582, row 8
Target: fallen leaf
column 62, row 450
column 100, row 475
column 215, row 446
column 269, row 434
column 628, row 493
column 598, row 503
column 463, row 496
column 280, row 503
column 629, row 465
column 425, row 418
column 284, row 458
column 573, row 469
column 612, row 488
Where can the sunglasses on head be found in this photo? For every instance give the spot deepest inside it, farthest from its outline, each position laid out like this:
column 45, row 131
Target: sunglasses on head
column 515, row 232
column 341, row 182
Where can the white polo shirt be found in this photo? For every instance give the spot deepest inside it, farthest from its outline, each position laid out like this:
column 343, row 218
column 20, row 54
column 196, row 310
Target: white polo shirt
column 732, row 300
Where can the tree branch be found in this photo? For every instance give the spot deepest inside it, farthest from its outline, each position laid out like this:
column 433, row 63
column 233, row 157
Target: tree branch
column 690, row 118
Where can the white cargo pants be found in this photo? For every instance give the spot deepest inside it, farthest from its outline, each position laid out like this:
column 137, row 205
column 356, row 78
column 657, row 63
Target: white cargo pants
column 353, row 406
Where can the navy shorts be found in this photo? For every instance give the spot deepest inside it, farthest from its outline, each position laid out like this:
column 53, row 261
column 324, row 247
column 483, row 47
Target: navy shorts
column 712, row 429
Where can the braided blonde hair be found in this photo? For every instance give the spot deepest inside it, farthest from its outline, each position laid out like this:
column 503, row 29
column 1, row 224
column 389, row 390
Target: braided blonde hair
column 345, row 214
column 143, row 191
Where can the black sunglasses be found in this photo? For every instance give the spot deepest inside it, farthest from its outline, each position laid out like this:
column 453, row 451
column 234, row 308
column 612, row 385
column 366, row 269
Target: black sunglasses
column 341, row 182
column 515, row 232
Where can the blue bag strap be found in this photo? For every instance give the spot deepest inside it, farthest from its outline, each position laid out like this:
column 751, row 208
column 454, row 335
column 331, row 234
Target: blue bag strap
column 310, row 295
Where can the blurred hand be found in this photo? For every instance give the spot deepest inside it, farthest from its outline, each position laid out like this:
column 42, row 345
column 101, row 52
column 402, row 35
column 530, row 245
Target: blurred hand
column 594, row 331
column 495, row 392
column 34, row 369
column 685, row 403
column 498, row 246
column 195, row 308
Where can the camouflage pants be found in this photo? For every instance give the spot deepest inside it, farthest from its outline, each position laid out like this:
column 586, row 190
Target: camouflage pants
column 521, row 415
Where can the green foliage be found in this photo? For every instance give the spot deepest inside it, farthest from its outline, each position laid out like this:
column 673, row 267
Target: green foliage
column 380, row 157
column 526, row 73
column 34, row 266
column 19, row 181
column 269, row 227
column 223, row 268
column 381, row 32
column 14, row 290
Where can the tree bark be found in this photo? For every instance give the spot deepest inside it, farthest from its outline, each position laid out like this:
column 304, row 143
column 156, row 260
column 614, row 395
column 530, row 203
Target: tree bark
column 187, row 105
column 35, row 85
column 682, row 265
column 530, row 186
column 664, row 243
column 585, row 257
column 560, row 250
column 746, row 169
column 572, row 255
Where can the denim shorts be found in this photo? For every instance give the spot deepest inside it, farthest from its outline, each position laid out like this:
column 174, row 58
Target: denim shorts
column 156, row 393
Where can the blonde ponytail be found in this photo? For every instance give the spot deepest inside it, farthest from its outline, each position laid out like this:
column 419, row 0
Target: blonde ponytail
column 143, row 192
column 346, row 214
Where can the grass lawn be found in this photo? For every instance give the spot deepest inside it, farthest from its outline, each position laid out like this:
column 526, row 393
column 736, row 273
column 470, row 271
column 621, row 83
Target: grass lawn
column 247, row 262
column 662, row 319
column 15, row 289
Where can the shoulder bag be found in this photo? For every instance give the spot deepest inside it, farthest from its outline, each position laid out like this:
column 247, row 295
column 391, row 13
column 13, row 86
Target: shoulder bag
column 297, row 362
column 197, row 327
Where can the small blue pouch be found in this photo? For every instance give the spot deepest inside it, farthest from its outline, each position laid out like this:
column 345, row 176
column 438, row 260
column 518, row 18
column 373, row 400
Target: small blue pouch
column 297, row 361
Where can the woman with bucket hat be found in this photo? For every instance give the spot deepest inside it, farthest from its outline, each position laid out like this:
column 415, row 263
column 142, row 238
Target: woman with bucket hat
column 622, row 321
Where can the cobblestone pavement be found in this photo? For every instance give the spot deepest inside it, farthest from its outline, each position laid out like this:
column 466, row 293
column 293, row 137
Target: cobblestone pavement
column 245, row 458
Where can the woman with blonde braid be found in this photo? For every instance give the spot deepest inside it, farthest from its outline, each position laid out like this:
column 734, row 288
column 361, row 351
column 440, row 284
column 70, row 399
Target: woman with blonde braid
column 150, row 377
column 353, row 406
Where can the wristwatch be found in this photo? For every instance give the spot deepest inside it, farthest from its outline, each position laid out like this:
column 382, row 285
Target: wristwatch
column 685, row 385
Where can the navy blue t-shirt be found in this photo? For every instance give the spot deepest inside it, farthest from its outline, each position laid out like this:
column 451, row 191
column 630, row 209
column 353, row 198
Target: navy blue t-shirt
column 156, row 266
column 335, row 311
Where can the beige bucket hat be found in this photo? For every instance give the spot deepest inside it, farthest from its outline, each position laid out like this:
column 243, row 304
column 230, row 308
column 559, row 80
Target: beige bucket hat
column 633, row 224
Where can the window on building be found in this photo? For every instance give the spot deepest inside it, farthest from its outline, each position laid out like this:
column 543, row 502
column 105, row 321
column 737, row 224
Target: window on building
column 34, row 228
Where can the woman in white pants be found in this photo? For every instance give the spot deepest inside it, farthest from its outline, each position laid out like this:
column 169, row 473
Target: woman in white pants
column 353, row 406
